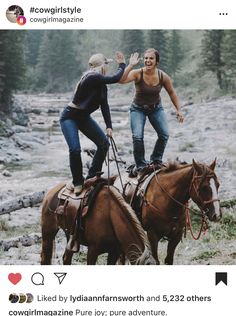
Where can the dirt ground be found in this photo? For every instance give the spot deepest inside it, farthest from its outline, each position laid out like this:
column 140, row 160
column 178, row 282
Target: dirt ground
column 45, row 163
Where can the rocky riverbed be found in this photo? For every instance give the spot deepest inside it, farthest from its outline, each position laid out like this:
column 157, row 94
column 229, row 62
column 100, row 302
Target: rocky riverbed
column 34, row 157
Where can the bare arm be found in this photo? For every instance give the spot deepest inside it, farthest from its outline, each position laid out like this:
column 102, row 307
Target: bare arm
column 128, row 75
column 173, row 96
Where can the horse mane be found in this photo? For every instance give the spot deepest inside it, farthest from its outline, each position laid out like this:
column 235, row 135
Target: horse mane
column 174, row 165
column 131, row 215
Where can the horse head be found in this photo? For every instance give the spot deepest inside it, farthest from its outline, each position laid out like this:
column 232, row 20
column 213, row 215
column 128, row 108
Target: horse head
column 204, row 190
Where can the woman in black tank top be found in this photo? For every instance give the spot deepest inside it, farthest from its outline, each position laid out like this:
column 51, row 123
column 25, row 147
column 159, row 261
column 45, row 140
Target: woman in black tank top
column 149, row 81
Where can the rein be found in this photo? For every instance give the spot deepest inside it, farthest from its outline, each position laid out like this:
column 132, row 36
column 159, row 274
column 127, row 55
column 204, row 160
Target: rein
column 204, row 224
column 115, row 151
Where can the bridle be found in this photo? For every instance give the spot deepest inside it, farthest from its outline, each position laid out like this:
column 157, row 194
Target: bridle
column 204, row 224
column 196, row 190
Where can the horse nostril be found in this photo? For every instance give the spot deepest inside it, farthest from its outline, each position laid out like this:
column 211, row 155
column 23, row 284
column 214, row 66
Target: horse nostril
column 217, row 218
column 214, row 218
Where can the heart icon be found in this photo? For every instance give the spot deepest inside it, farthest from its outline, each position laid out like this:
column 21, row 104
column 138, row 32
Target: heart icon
column 14, row 278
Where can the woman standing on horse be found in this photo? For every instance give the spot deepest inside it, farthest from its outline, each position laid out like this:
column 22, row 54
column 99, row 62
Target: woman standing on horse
column 90, row 93
column 149, row 81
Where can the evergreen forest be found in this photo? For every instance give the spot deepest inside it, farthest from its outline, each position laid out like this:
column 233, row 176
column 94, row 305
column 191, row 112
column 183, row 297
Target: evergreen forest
column 50, row 61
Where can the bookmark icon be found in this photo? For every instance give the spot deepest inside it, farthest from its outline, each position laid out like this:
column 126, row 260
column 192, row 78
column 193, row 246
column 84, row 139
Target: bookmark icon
column 221, row 277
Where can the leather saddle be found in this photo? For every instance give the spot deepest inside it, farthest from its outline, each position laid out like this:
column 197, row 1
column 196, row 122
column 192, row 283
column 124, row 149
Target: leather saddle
column 135, row 190
column 66, row 195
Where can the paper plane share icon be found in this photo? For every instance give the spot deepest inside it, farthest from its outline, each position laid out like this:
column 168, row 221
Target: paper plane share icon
column 61, row 276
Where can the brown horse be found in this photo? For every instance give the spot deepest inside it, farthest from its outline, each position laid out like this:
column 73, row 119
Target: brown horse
column 109, row 227
column 160, row 198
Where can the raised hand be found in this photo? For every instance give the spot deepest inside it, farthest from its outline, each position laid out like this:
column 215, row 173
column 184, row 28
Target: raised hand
column 134, row 59
column 120, row 58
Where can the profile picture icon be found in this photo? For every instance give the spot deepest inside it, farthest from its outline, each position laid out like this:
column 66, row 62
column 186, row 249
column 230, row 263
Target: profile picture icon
column 13, row 298
column 23, row 298
column 15, row 14
column 30, row 298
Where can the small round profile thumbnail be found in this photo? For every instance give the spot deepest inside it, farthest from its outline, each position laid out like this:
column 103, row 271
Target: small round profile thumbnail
column 14, row 12
column 14, row 298
column 30, row 298
column 21, row 298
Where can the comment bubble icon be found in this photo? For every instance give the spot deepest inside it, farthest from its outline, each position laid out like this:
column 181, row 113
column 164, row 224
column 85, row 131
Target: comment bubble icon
column 37, row 278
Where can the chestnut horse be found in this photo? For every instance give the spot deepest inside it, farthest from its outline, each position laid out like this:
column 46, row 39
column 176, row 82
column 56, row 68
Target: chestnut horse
column 160, row 198
column 111, row 226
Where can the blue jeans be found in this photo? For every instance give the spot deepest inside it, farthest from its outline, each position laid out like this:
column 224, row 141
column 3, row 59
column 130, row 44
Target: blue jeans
column 158, row 120
column 71, row 122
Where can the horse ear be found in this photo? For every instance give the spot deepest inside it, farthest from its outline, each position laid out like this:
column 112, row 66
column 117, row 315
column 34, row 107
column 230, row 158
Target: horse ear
column 197, row 167
column 212, row 165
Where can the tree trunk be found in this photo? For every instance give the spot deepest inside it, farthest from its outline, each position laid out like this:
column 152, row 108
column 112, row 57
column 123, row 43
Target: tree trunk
column 26, row 241
column 23, row 201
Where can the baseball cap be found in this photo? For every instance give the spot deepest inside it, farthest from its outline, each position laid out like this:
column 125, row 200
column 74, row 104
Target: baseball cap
column 97, row 60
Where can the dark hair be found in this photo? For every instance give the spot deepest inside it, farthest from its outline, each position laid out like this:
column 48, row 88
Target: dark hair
column 155, row 51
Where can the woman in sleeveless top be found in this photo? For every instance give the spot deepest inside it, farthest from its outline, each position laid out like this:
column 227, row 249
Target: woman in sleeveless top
column 149, row 81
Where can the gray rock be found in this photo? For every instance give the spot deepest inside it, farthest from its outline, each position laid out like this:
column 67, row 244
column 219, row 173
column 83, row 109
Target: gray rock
column 6, row 173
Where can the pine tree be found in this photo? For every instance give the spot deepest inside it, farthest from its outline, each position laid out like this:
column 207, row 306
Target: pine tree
column 158, row 39
column 57, row 65
column 32, row 43
column 175, row 55
column 229, row 54
column 132, row 41
column 212, row 43
column 12, row 67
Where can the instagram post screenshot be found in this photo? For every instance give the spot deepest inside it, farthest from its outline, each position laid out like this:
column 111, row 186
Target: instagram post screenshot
column 117, row 158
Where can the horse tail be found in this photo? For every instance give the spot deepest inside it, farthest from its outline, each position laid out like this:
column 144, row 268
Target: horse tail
column 130, row 214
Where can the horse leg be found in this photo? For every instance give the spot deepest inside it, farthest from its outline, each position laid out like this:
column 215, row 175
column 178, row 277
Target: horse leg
column 92, row 256
column 113, row 256
column 153, row 239
column 47, row 246
column 67, row 257
column 172, row 244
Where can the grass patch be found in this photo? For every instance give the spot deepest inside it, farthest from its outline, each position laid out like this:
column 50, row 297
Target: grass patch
column 4, row 225
column 226, row 229
column 228, row 203
column 206, row 255
column 233, row 255
column 82, row 258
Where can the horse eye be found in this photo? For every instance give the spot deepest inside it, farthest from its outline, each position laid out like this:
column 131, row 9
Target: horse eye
column 204, row 187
